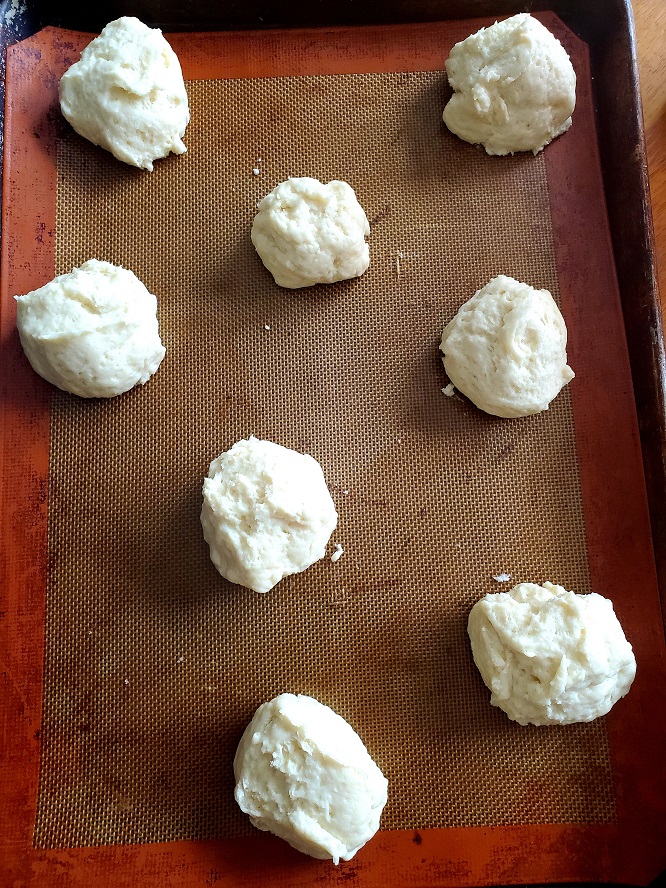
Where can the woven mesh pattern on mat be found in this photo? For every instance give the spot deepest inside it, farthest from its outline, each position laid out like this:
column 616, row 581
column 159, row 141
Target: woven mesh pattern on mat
column 154, row 663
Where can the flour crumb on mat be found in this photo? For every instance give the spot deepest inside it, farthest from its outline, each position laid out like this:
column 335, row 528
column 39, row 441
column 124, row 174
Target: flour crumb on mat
column 502, row 578
column 449, row 390
column 337, row 555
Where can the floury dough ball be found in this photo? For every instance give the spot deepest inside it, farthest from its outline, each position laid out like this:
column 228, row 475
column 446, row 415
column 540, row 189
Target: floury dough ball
column 548, row 656
column 303, row 773
column 126, row 93
column 309, row 233
column 92, row 332
column 506, row 349
column 514, row 87
column 267, row 513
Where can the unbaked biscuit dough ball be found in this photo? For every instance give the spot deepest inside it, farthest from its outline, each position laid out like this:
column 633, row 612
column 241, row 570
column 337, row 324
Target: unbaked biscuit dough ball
column 303, row 773
column 506, row 349
column 267, row 513
column 309, row 233
column 126, row 93
column 93, row 331
column 548, row 656
column 514, row 87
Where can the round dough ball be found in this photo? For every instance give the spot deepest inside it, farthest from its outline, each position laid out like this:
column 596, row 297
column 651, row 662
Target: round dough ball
column 267, row 513
column 92, row 332
column 548, row 656
column 506, row 349
column 309, row 233
column 126, row 93
column 515, row 87
column 303, row 773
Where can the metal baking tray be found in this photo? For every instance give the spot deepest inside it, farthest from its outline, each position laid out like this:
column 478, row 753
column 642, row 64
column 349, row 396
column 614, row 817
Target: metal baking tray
column 409, row 857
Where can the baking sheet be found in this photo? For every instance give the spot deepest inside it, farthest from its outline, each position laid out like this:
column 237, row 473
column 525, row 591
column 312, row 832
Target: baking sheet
column 411, row 408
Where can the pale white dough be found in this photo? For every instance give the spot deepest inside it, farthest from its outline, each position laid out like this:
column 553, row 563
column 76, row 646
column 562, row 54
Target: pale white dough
column 267, row 513
column 309, row 233
column 126, row 93
column 92, row 332
column 515, row 87
column 303, row 773
column 548, row 656
column 506, row 349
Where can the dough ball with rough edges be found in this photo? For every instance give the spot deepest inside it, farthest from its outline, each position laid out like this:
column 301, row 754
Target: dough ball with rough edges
column 93, row 331
column 309, row 233
column 267, row 513
column 514, row 87
column 506, row 349
column 126, row 93
column 548, row 656
column 303, row 773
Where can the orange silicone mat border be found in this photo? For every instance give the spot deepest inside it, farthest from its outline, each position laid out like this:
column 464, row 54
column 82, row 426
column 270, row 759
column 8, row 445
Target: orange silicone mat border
column 620, row 552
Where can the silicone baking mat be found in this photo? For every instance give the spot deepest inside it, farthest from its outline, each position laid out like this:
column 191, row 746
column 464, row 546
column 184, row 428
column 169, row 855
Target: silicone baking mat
column 168, row 662
column 153, row 664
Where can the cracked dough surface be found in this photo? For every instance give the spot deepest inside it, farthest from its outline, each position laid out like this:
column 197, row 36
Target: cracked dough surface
column 310, row 233
column 548, row 656
column 506, row 349
column 93, row 331
column 514, row 87
column 126, row 93
column 303, row 773
column 267, row 513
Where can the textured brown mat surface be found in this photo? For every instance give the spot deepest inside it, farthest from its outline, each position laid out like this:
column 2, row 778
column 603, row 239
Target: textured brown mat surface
column 154, row 663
